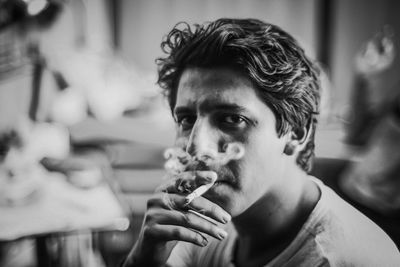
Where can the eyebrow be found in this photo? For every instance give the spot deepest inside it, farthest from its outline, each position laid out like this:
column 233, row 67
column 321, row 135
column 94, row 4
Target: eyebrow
column 182, row 110
column 210, row 106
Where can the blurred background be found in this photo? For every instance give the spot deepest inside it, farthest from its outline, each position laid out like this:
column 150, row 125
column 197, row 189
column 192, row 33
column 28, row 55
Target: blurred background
column 79, row 105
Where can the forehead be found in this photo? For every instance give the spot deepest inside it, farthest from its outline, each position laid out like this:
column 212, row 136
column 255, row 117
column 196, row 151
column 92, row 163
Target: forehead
column 199, row 86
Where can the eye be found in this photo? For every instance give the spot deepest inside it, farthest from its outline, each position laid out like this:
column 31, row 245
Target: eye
column 186, row 122
column 233, row 120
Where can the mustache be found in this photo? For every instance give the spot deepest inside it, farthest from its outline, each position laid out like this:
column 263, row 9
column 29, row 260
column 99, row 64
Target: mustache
column 227, row 173
column 177, row 158
column 224, row 164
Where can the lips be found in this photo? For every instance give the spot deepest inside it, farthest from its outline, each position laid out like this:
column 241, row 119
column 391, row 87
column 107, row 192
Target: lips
column 219, row 190
column 223, row 182
column 224, row 173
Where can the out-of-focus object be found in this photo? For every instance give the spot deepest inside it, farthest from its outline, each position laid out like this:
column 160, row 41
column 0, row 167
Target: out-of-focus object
column 20, row 179
column 63, row 208
column 49, row 140
column 34, row 7
column 373, row 180
column 61, row 211
column 16, row 11
column 325, row 96
column 69, row 107
column 109, row 85
column 85, row 178
column 83, row 169
column 22, row 148
column 377, row 54
column 368, row 97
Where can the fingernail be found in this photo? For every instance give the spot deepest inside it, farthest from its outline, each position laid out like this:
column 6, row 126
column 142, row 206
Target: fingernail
column 212, row 176
column 205, row 242
column 222, row 234
column 226, row 218
column 186, row 203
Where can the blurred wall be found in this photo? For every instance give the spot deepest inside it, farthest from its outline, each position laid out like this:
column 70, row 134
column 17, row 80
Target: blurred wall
column 143, row 23
column 336, row 28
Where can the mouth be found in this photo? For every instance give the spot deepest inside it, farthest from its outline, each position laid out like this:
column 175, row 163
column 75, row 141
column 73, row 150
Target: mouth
column 222, row 182
column 219, row 190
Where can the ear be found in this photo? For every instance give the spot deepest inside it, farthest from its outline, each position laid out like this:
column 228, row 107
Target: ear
column 296, row 140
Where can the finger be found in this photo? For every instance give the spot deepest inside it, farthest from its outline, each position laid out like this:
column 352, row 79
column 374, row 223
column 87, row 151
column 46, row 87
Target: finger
column 204, row 217
column 186, row 219
column 186, row 182
column 205, row 177
column 174, row 232
column 168, row 201
column 167, row 186
column 173, row 183
column 189, row 181
column 179, row 202
column 210, row 209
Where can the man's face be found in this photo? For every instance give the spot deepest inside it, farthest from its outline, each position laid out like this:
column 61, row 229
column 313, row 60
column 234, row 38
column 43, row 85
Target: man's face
column 218, row 106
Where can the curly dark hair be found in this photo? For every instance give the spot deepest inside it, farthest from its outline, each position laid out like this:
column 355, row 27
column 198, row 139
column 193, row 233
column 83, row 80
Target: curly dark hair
column 285, row 79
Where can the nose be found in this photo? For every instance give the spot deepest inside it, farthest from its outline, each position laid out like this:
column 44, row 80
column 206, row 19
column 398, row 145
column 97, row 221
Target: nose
column 203, row 140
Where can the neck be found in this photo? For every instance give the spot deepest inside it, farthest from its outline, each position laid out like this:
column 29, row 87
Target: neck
column 270, row 224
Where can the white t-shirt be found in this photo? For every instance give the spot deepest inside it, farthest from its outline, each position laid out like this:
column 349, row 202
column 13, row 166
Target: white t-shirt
column 335, row 234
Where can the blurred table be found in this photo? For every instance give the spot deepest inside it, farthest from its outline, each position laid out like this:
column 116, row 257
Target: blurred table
column 62, row 208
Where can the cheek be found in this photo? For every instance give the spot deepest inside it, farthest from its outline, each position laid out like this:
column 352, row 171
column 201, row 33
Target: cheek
column 263, row 159
column 265, row 147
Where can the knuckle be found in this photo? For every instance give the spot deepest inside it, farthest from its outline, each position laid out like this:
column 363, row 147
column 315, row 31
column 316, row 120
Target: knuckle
column 165, row 201
column 214, row 209
column 150, row 217
column 152, row 202
column 199, row 238
column 147, row 231
column 176, row 234
column 209, row 228
column 187, row 218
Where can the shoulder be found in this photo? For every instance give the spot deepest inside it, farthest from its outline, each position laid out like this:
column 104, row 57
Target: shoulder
column 346, row 235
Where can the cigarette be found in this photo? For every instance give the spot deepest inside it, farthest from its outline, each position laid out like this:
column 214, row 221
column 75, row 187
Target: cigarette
column 204, row 217
column 197, row 193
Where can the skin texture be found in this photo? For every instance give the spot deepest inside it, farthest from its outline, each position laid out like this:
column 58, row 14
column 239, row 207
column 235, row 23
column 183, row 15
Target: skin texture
column 263, row 191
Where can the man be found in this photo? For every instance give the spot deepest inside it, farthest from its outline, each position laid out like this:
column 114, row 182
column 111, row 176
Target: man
column 249, row 82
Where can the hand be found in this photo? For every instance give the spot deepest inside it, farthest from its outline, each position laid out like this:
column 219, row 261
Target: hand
column 168, row 219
